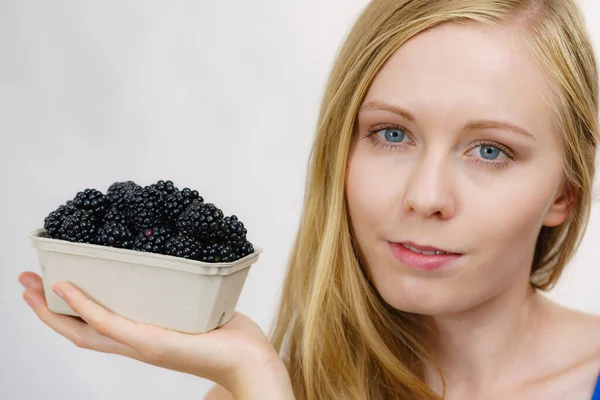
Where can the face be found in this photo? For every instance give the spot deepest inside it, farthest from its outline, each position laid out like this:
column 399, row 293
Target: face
column 432, row 163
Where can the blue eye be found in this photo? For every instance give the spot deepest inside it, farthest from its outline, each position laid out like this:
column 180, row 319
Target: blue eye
column 490, row 155
column 491, row 151
column 394, row 135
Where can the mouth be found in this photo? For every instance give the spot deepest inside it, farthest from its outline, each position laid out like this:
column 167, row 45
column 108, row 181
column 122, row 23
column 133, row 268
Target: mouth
column 422, row 257
column 425, row 250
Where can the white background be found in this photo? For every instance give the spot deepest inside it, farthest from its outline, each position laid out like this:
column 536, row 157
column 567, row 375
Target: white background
column 220, row 96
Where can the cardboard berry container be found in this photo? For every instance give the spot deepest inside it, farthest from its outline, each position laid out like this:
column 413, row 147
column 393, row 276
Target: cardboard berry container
column 171, row 292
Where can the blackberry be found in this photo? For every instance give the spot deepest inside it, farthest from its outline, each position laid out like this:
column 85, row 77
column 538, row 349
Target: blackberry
column 241, row 249
column 246, row 249
column 203, row 221
column 225, row 253
column 114, row 234
column 117, row 215
column 235, row 232
column 152, row 240
column 208, row 252
column 165, row 187
column 92, row 200
column 145, row 207
column 55, row 219
column 177, row 202
column 182, row 246
column 117, row 193
column 222, row 253
column 79, row 227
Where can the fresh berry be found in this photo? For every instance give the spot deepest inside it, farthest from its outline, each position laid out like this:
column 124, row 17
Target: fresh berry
column 241, row 249
column 246, row 249
column 55, row 219
column 152, row 240
column 145, row 206
column 117, row 215
column 79, row 227
column 117, row 193
column 114, row 234
column 235, row 231
column 225, row 253
column 177, row 202
column 208, row 252
column 91, row 200
column 203, row 221
column 182, row 246
column 165, row 187
column 158, row 218
column 219, row 253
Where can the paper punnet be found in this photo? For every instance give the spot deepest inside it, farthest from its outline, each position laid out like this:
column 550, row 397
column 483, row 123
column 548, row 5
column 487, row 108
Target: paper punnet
column 171, row 292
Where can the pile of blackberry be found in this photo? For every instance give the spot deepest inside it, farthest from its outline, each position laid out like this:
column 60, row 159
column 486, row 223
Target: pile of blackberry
column 158, row 218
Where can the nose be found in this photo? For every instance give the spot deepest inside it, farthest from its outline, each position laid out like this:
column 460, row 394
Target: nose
column 429, row 189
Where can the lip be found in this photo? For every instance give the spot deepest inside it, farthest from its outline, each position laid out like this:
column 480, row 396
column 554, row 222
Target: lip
column 421, row 261
column 424, row 248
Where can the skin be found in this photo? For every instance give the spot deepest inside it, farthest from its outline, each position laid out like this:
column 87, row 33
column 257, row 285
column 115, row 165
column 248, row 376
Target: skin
column 498, row 338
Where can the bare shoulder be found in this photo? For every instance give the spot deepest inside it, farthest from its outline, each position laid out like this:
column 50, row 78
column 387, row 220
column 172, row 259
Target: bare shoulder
column 582, row 329
column 582, row 371
column 219, row 393
column 571, row 353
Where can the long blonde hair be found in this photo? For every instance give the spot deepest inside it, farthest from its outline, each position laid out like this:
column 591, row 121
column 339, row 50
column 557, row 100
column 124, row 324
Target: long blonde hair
column 338, row 338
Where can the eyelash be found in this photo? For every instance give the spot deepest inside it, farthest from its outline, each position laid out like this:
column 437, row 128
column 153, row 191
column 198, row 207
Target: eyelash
column 493, row 165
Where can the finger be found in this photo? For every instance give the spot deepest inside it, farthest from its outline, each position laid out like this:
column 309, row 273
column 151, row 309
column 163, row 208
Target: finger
column 31, row 280
column 133, row 334
column 75, row 329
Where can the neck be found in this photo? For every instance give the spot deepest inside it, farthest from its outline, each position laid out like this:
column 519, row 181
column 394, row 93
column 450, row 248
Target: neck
column 477, row 348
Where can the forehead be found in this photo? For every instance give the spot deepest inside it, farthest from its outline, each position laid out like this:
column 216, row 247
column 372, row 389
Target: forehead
column 453, row 70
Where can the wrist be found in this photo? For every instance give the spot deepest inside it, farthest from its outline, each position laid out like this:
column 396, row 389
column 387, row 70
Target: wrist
column 270, row 381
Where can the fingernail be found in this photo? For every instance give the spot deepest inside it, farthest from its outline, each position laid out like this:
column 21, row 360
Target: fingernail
column 58, row 292
column 29, row 301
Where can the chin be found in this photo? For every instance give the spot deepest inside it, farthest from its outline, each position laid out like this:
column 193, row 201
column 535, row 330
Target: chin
column 424, row 299
column 423, row 309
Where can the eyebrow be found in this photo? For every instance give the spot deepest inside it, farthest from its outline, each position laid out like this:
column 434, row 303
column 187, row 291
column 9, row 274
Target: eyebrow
column 375, row 105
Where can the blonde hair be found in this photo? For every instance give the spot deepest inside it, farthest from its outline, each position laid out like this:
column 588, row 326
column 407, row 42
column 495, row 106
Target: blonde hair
column 338, row 338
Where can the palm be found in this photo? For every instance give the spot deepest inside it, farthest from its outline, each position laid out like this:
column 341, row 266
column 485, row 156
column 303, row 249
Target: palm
column 215, row 355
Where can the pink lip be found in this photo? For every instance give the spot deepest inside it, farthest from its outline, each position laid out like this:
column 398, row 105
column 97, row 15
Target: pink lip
column 421, row 261
column 424, row 248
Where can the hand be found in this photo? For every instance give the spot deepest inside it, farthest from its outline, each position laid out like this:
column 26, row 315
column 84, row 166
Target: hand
column 233, row 355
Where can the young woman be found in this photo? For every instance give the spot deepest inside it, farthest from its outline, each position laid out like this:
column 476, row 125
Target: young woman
column 450, row 182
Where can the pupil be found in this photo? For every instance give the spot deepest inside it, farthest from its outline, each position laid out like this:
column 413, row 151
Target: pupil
column 394, row 134
column 489, row 151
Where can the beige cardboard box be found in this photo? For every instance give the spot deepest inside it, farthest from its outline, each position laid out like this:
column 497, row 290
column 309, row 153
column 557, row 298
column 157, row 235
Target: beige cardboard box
column 174, row 293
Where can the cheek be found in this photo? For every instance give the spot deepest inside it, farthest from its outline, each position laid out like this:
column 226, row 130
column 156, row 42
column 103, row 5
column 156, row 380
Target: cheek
column 370, row 188
column 372, row 200
column 367, row 192
column 508, row 217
